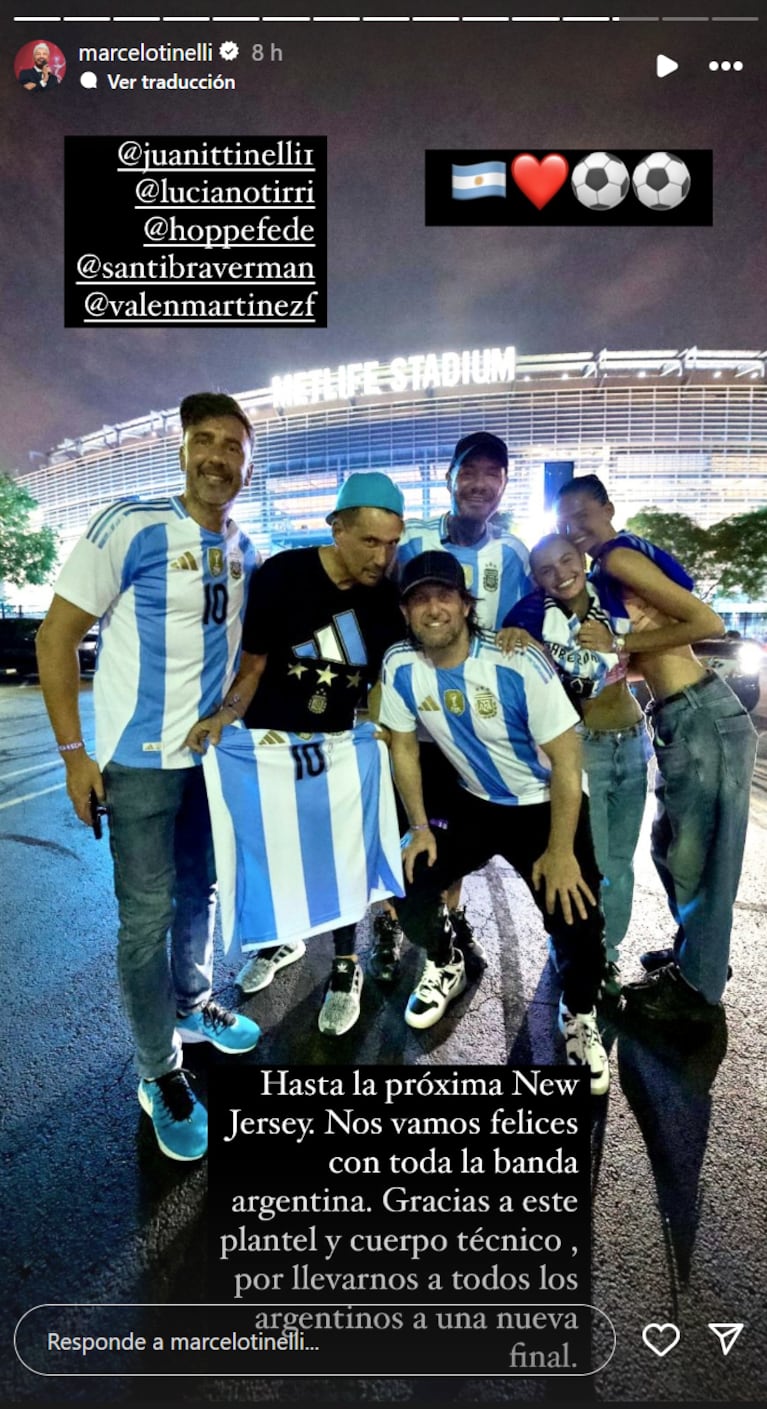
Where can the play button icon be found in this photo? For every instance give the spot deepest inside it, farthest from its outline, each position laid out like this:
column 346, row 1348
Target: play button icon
column 664, row 65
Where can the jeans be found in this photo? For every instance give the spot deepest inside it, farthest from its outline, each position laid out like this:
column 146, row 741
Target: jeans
column 475, row 832
column 705, row 745
column 616, row 765
column 159, row 835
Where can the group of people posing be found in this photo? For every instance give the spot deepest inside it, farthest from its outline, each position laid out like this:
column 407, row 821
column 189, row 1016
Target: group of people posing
column 499, row 686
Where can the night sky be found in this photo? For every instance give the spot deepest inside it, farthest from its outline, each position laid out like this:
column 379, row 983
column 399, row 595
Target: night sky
column 382, row 93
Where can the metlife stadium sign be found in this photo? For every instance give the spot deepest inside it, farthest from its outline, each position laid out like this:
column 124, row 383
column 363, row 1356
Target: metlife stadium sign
column 421, row 372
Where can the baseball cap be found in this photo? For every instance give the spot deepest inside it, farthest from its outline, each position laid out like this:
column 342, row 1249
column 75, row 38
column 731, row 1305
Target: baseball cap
column 435, row 566
column 480, row 443
column 368, row 489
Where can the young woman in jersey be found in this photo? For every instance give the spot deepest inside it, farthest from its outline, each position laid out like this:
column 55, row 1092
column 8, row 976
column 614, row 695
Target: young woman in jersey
column 704, row 743
column 616, row 746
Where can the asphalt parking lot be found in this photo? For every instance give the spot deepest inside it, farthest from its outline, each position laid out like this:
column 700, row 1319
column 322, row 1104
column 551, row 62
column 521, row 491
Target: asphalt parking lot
column 95, row 1213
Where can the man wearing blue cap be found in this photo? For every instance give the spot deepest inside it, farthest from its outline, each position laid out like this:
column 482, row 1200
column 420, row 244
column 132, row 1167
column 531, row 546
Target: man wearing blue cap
column 317, row 625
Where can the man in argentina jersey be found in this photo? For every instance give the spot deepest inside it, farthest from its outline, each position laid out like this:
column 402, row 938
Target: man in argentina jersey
column 317, row 624
column 495, row 566
column 305, row 831
column 490, row 714
column 495, row 563
column 166, row 579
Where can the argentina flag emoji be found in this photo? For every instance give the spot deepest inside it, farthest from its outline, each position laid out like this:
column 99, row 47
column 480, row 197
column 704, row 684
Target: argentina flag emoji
column 482, row 178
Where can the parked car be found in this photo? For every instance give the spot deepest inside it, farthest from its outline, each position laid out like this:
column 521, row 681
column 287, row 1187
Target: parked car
column 17, row 647
column 739, row 662
column 737, row 659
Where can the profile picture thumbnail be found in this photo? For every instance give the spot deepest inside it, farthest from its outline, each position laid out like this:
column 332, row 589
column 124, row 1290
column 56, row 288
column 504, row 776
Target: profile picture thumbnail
column 40, row 66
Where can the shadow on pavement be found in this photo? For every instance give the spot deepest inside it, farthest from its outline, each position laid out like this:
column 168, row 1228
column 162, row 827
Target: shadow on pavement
column 667, row 1075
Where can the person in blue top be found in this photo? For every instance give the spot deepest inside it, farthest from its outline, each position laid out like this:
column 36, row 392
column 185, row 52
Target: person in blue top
column 167, row 579
column 705, row 746
column 616, row 747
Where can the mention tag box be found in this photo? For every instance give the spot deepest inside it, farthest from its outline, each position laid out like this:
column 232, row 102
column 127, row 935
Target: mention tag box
column 195, row 232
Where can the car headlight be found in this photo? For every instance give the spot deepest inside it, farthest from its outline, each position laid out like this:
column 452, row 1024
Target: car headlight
column 750, row 658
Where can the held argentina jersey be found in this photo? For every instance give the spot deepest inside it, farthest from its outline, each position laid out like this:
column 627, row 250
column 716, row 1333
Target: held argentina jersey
column 304, row 829
column 170, row 596
column 496, row 568
column 487, row 715
column 586, row 673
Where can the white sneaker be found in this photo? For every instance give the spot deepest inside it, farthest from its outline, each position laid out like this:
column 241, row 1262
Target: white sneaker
column 341, row 1005
column 435, row 990
column 583, row 1045
column 260, row 970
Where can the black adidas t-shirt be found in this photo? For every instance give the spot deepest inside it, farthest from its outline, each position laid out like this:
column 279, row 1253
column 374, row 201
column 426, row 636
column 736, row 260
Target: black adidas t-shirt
column 324, row 644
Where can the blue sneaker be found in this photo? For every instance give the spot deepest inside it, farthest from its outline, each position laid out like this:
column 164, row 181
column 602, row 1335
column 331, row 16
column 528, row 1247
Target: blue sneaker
column 180, row 1121
column 229, row 1032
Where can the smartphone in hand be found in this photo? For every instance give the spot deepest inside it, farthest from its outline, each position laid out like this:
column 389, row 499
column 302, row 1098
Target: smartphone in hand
column 98, row 810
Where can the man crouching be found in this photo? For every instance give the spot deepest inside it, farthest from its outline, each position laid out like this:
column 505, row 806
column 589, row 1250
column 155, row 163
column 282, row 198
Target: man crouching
column 489, row 713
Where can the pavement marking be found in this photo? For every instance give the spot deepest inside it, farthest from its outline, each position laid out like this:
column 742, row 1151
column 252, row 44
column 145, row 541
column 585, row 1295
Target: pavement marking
column 14, row 801
column 36, row 768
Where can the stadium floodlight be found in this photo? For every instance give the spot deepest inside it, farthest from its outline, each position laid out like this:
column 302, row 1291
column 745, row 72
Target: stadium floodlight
column 752, row 368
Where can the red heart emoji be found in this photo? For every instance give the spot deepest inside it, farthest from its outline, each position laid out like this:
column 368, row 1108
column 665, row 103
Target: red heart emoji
column 539, row 180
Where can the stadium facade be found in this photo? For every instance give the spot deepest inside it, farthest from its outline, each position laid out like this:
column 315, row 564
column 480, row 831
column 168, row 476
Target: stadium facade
column 683, row 430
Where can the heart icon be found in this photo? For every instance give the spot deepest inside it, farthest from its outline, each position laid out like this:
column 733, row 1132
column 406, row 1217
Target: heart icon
column 539, row 180
column 660, row 1338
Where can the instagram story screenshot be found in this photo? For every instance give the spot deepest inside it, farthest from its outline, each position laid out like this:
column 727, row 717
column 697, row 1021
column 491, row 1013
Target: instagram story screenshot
column 383, row 706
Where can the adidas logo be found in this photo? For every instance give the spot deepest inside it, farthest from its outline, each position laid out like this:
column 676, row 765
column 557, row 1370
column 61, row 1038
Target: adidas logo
column 272, row 738
column 186, row 562
column 428, row 703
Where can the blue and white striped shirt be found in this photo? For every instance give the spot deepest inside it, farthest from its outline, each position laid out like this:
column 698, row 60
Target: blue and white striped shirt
column 170, row 596
column 488, row 715
column 305, row 831
column 496, row 568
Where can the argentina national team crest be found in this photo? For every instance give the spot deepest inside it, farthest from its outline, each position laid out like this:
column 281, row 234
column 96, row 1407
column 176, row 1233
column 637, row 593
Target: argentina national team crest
column 235, row 569
column 490, row 578
column 216, row 561
column 454, row 702
column 318, row 704
column 485, row 703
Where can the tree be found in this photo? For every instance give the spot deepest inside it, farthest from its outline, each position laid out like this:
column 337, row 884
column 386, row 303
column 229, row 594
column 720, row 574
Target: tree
column 26, row 554
column 688, row 542
column 726, row 559
column 741, row 550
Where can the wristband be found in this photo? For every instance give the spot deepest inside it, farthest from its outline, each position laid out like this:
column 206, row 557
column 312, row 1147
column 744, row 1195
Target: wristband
column 420, row 826
column 70, row 748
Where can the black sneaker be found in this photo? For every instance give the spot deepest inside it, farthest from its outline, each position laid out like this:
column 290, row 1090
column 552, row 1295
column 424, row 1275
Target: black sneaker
column 474, row 956
column 341, row 1004
column 610, row 987
column 666, row 997
column 654, row 959
column 383, row 963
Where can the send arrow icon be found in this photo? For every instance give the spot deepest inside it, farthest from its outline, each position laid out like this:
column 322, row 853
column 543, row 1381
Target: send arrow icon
column 727, row 1333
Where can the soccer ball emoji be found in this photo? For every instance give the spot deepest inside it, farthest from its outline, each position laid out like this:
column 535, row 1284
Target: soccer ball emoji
column 661, row 181
column 600, row 181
